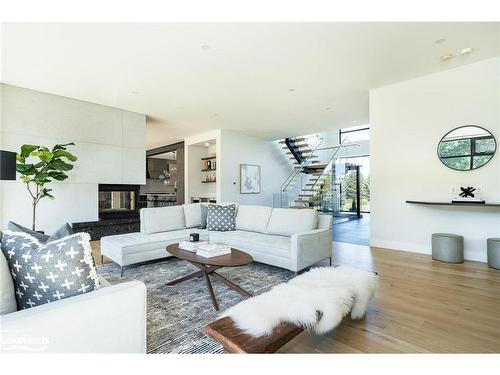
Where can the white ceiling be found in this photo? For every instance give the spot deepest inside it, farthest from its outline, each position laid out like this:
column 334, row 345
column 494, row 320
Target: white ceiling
column 190, row 78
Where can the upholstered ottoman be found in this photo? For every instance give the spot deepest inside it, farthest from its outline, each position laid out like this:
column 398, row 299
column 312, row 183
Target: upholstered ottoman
column 493, row 245
column 448, row 247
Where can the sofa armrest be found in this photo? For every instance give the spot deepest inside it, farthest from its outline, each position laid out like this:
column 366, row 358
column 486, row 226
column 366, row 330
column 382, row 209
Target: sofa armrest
column 108, row 320
column 310, row 247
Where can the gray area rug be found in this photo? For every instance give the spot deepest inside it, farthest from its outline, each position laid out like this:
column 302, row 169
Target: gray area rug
column 177, row 315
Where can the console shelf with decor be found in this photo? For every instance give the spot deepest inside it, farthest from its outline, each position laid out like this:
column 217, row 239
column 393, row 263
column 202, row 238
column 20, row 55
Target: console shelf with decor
column 468, row 204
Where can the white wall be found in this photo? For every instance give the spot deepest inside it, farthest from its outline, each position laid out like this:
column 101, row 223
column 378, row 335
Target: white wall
column 110, row 145
column 407, row 122
column 238, row 148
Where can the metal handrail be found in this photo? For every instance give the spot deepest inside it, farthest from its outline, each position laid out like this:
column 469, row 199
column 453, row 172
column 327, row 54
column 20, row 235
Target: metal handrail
column 299, row 169
column 345, row 143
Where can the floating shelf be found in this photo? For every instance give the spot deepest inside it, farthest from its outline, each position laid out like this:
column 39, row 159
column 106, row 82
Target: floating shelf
column 209, row 170
column 209, row 158
column 207, row 182
column 491, row 204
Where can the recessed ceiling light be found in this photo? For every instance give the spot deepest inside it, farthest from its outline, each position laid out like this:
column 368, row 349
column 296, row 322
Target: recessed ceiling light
column 446, row 56
column 466, row 51
column 135, row 92
column 216, row 114
column 440, row 41
column 353, row 121
column 291, row 90
column 205, row 47
column 328, row 108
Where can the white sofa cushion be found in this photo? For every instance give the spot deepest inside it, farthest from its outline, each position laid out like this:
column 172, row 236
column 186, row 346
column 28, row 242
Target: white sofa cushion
column 252, row 242
column 253, row 218
column 162, row 219
column 192, row 214
column 7, row 297
column 131, row 243
column 288, row 221
column 325, row 221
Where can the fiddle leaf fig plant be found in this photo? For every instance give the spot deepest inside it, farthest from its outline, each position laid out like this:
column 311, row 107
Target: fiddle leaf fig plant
column 39, row 166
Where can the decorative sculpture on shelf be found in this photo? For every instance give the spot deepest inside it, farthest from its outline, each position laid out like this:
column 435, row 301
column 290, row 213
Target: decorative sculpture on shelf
column 467, row 192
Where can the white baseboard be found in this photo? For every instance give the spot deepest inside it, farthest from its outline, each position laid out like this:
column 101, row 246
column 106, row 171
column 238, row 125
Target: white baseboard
column 475, row 256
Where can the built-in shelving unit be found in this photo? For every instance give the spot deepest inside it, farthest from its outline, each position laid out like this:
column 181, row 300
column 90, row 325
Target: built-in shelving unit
column 202, row 171
column 207, row 162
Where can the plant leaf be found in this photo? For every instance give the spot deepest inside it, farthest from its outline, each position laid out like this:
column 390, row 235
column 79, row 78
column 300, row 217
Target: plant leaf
column 59, row 165
column 57, row 175
column 26, row 150
column 62, row 146
column 26, row 169
column 26, row 179
column 45, row 193
column 45, row 155
column 64, row 154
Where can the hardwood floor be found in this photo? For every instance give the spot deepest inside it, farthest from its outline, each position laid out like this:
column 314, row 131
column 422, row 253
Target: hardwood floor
column 421, row 306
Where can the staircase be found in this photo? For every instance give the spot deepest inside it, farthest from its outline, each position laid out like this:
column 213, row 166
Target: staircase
column 304, row 185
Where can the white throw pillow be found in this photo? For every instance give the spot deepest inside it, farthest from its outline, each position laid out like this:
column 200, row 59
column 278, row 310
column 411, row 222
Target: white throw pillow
column 289, row 221
column 162, row 219
column 8, row 302
column 253, row 218
column 192, row 214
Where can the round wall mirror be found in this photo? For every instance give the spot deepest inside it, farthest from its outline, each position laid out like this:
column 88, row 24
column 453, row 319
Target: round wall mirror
column 466, row 148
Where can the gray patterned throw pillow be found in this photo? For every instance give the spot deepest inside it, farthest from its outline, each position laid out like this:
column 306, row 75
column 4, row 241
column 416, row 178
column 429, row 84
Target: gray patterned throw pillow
column 221, row 218
column 44, row 273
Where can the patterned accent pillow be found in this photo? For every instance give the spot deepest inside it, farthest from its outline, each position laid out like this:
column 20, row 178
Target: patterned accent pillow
column 204, row 214
column 221, row 218
column 50, row 272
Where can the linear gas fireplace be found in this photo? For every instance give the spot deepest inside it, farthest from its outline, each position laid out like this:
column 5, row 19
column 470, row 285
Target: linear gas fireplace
column 118, row 201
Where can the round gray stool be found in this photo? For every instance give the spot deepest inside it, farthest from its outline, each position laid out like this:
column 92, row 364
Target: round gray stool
column 448, row 247
column 493, row 245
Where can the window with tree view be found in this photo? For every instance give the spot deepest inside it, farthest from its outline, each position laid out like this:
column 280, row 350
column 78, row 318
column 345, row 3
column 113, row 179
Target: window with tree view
column 466, row 148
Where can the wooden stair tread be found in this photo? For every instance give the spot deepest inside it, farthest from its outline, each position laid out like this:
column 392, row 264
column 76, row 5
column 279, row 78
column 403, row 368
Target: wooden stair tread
column 301, row 148
column 318, row 166
column 308, row 157
column 295, row 139
column 234, row 340
column 310, row 166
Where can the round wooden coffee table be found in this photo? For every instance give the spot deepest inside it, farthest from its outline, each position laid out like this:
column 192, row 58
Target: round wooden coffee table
column 208, row 266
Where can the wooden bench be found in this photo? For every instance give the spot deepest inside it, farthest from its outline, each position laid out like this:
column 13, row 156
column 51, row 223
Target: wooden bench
column 234, row 340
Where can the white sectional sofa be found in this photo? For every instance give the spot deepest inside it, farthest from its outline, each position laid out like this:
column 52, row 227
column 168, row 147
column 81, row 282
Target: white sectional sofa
column 111, row 319
column 288, row 238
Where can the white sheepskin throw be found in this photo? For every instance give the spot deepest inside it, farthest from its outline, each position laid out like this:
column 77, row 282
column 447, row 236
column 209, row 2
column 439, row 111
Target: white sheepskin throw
column 316, row 300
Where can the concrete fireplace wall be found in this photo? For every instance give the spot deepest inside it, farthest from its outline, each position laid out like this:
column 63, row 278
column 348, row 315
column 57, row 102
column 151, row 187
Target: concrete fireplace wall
column 110, row 145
